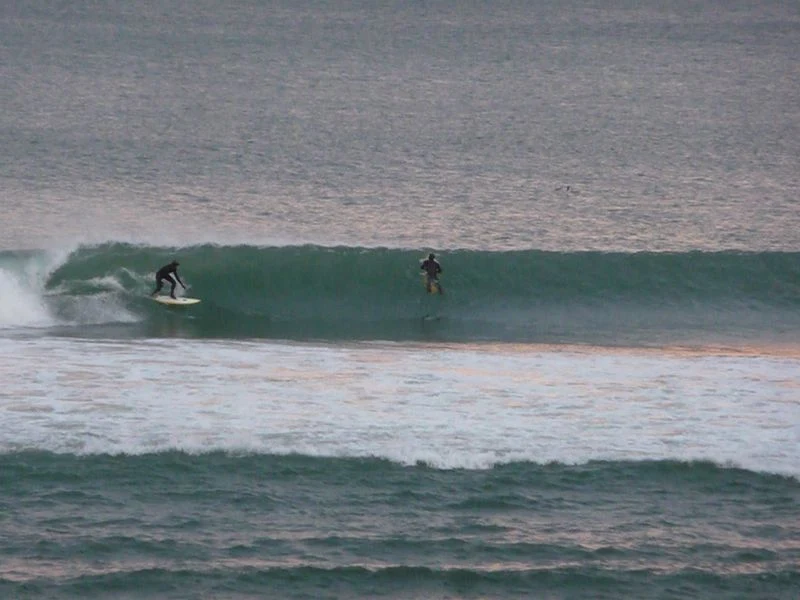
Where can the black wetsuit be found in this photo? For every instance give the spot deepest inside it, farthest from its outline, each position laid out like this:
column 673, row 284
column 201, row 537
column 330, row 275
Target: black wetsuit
column 165, row 274
column 432, row 268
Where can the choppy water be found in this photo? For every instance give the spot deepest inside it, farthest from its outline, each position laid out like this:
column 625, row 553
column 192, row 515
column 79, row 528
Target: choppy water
column 178, row 468
column 604, row 404
column 296, row 526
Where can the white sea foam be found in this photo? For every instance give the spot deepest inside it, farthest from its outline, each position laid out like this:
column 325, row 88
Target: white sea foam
column 19, row 305
column 27, row 302
column 447, row 407
column 22, row 289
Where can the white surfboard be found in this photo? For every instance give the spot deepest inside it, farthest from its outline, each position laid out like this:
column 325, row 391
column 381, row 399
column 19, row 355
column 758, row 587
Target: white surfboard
column 176, row 301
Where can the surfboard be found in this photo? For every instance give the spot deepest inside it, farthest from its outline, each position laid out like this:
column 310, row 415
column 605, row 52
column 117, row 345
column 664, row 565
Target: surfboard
column 176, row 301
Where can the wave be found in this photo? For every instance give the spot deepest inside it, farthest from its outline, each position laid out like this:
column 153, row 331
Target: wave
column 40, row 465
column 179, row 577
column 315, row 292
column 216, row 522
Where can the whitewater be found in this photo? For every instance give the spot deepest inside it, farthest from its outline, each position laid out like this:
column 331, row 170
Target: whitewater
column 470, row 406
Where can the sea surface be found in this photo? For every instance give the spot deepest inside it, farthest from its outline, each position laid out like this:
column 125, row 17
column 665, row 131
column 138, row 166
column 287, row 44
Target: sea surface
column 605, row 402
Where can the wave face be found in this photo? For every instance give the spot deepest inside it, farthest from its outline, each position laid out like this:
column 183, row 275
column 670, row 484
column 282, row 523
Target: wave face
column 313, row 292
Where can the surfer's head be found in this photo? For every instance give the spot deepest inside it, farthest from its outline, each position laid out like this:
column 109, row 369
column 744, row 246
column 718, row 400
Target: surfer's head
column 431, row 256
column 175, row 263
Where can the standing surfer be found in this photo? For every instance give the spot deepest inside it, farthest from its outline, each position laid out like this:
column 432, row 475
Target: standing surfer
column 432, row 269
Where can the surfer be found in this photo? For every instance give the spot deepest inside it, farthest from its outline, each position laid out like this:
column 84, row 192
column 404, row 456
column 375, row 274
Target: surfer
column 432, row 269
column 165, row 273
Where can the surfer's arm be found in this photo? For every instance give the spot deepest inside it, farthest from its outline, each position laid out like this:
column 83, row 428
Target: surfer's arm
column 178, row 277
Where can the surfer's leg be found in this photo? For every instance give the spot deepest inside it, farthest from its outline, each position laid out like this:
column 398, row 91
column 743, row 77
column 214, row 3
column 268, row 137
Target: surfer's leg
column 159, row 285
column 172, row 289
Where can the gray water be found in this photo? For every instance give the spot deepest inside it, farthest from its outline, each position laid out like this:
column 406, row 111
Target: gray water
column 445, row 124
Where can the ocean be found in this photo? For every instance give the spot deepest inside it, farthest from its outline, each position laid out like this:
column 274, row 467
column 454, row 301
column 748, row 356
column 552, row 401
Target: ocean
column 604, row 403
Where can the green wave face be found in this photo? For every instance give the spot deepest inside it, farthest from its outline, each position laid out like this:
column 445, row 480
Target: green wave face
column 377, row 293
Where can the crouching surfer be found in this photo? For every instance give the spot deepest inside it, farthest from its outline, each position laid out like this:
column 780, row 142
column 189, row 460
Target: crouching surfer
column 165, row 273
